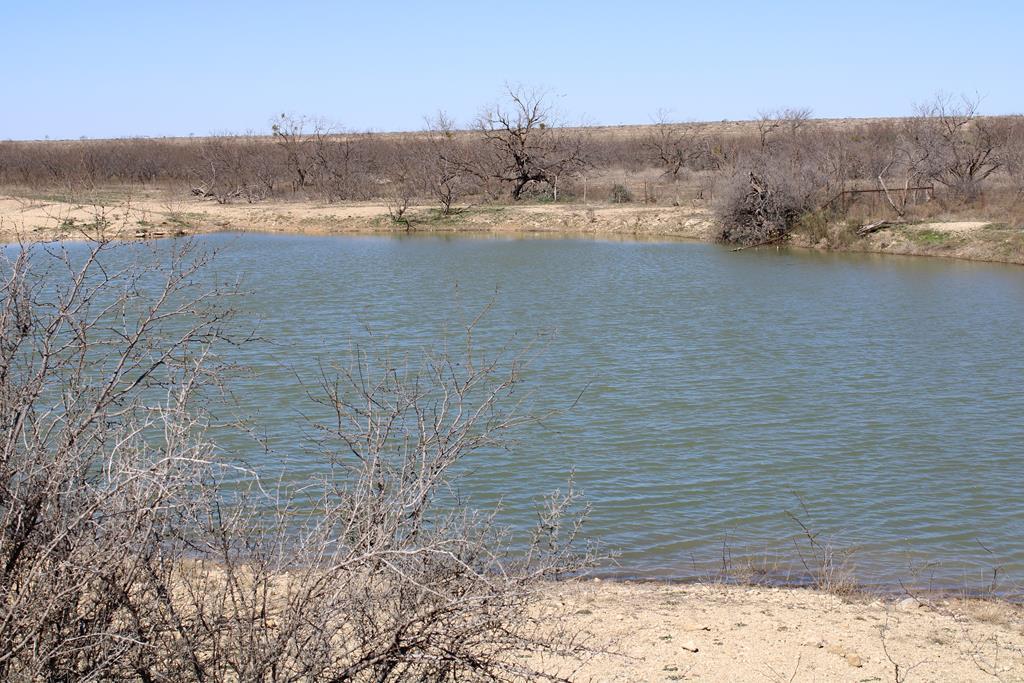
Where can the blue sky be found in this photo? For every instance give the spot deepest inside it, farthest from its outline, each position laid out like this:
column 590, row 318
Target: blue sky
column 103, row 69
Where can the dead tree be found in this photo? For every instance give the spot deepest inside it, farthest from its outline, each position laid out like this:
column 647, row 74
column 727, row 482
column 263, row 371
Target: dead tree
column 1012, row 157
column 446, row 163
column 958, row 147
column 527, row 148
column 790, row 121
column 290, row 133
column 754, row 209
column 902, row 170
column 672, row 145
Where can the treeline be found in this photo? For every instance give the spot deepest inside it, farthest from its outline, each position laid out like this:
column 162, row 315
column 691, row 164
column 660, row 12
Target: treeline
column 762, row 177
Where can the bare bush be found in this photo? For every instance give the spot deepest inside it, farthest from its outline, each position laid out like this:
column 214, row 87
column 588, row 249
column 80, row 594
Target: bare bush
column 128, row 550
column 672, row 146
column 902, row 170
column 958, row 160
column 526, row 146
column 1013, row 158
column 620, row 194
column 957, row 147
column 781, row 124
column 446, row 163
column 761, row 204
column 97, row 450
column 232, row 168
column 292, row 135
column 345, row 165
column 796, row 170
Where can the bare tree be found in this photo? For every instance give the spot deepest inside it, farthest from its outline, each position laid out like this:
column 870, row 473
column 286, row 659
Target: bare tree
column 958, row 147
column 673, row 146
column 232, row 168
column 905, row 164
column 789, row 121
column 527, row 147
column 1013, row 157
column 447, row 176
column 337, row 162
column 292, row 135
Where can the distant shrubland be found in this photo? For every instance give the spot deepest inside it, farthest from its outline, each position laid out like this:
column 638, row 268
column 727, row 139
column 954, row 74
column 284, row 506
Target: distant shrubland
column 783, row 172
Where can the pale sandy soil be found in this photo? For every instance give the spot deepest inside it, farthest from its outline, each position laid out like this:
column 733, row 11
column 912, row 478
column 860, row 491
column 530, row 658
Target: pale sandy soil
column 153, row 216
column 147, row 217
column 669, row 632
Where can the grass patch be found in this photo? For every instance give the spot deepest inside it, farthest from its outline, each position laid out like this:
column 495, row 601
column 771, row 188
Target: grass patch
column 326, row 221
column 930, row 238
column 437, row 219
column 78, row 199
column 186, row 219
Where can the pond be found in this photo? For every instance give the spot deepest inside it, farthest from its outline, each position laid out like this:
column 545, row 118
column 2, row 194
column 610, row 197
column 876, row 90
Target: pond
column 878, row 400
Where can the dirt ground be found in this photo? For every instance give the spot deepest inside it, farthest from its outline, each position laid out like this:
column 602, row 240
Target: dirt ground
column 152, row 216
column 664, row 632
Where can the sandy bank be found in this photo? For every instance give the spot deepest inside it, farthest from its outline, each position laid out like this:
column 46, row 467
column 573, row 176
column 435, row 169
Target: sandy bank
column 715, row 633
column 54, row 217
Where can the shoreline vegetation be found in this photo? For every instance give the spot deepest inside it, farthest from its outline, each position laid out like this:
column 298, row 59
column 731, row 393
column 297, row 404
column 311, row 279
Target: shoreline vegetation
column 946, row 181
column 117, row 215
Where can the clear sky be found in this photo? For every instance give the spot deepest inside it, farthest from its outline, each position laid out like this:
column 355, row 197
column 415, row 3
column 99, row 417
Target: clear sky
column 162, row 67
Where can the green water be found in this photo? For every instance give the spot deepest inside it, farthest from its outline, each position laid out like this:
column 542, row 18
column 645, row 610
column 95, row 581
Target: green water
column 881, row 399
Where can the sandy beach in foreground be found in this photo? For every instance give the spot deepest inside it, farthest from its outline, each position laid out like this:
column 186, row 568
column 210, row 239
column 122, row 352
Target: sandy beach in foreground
column 669, row 632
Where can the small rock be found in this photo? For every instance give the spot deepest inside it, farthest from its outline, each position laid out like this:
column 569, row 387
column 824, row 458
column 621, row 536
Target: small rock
column 908, row 605
column 691, row 646
column 854, row 661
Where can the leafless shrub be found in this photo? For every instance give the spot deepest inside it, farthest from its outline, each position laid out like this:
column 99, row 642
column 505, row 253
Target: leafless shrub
column 781, row 123
column 905, row 165
column 399, row 182
column 672, row 146
column 1013, row 158
column 525, row 146
column 826, row 563
column 760, row 205
column 957, row 147
column 620, row 194
column 97, row 450
column 796, row 170
column 127, row 552
column 446, row 164
column 231, row 168
column 900, row 670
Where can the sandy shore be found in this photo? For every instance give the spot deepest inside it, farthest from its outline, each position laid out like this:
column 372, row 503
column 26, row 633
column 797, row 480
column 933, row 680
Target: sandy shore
column 666, row 632
column 47, row 218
